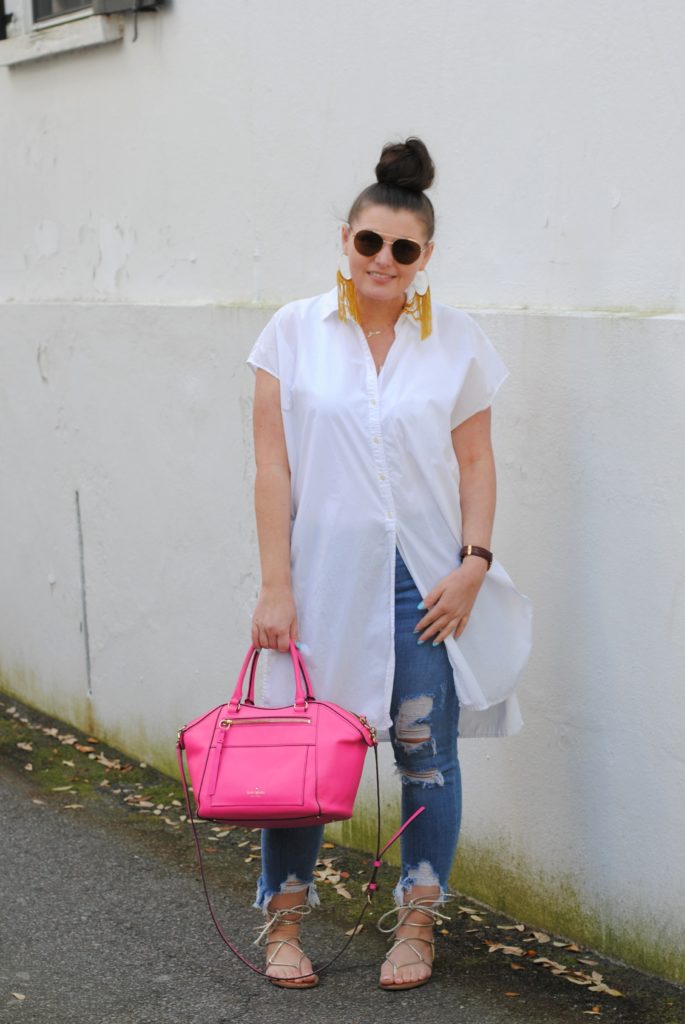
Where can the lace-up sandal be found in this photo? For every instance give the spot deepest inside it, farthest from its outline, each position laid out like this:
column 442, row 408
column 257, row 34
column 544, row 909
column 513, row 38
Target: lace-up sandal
column 279, row 956
column 433, row 916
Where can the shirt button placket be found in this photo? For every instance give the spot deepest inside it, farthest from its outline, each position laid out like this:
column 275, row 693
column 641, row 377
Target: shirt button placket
column 378, row 447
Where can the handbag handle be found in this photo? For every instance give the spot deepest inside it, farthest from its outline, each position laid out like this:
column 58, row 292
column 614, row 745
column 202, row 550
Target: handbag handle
column 303, row 688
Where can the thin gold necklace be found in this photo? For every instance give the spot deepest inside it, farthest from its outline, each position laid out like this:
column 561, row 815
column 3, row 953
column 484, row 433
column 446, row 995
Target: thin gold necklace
column 372, row 334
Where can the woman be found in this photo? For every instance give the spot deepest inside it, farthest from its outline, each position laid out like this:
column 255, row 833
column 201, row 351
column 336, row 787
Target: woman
column 374, row 469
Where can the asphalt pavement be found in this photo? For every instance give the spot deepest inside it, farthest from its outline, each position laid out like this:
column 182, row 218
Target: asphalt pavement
column 103, row 921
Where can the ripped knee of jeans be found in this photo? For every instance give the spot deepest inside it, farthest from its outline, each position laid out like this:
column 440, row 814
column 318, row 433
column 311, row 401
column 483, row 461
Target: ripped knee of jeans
column 292, row 884
column 412, row 728
column 420, row 777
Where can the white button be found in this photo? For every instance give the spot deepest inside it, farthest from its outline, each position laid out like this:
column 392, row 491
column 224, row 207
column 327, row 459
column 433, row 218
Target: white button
column 389, row 515
column 381, row 476
column 375, row 440
column 373, row 401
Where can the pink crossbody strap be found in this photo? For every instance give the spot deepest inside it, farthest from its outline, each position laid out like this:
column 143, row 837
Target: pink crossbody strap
column 371, row 888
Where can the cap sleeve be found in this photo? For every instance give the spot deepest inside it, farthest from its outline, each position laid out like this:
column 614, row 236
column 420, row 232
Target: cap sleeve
column 264, row 352
column 484, row 375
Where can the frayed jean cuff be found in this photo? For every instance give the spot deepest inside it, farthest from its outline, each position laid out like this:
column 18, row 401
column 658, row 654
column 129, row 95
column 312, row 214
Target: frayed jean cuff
column 310, row 897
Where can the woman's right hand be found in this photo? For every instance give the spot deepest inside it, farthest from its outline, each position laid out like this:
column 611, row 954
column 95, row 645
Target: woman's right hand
column 274, row 622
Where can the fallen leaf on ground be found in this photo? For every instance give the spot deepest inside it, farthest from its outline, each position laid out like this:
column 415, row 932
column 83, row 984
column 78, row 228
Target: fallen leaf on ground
column 328, row 846
column 19, row 995
column 28, row 767
column 83, row 748
column 590, row 963
column 601, row 987
column 69, row 764
column 517, row 967
column 36, row 801
column 25, row 746
column 511, row 993
column 594, row 1011
column 342, row 891
column 356, row 930
column 61, row 789
column 106, row 763
column 73, row 807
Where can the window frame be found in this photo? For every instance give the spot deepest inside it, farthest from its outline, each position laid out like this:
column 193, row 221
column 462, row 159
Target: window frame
column 57, row 19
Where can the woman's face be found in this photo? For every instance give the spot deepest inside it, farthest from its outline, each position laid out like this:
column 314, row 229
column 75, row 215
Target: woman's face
column 381, row 277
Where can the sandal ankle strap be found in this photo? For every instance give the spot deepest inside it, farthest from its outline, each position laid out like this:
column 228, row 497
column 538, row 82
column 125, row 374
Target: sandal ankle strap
column 279, row 917
column 428, row 907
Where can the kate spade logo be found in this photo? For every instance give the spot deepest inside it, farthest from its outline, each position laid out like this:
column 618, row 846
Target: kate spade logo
column 255, row 792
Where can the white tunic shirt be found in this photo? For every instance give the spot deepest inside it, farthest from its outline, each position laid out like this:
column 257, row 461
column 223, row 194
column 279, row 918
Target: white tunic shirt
column 373, row 468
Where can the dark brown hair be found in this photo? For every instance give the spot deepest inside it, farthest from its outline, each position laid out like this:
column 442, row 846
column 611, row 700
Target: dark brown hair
column 404, row 170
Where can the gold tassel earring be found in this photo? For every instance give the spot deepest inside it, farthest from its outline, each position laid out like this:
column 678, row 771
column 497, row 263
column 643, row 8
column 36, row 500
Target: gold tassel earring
column 347, row 293
column 419, row 306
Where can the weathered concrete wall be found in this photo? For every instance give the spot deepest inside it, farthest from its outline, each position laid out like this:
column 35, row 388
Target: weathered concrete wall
column 162, row 196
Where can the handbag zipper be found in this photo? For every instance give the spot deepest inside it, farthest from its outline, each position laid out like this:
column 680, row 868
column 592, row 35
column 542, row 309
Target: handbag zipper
column 226, row 723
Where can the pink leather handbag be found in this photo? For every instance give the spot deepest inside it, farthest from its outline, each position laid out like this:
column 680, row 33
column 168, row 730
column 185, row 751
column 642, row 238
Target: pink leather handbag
column 276, row 767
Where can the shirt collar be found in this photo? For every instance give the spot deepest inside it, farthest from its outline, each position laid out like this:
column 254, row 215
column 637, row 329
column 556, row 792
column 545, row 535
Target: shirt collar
column 329, row 305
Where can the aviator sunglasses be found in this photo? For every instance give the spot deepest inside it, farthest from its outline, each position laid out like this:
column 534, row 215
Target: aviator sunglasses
column 404, row 250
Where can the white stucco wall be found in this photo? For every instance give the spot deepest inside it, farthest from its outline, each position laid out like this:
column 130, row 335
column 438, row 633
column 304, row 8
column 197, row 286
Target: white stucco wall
column 162, row 196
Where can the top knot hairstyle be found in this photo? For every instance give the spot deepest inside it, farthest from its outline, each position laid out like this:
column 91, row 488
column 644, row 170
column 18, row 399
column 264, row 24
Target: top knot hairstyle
column 403, row 172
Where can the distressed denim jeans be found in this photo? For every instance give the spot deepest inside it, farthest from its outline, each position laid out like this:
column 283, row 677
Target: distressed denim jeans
column 425, row 716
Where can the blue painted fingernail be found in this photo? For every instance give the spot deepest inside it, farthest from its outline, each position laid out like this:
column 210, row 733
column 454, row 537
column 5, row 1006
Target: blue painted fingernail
column 436, row 643
column 299, row 646
column 421, row 606
column 419, row 642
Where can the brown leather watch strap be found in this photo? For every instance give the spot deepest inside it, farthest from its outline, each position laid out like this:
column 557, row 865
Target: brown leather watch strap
column 473, row 549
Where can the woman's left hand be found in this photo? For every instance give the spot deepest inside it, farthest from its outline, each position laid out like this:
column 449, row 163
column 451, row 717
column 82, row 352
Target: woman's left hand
column 450, row 601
